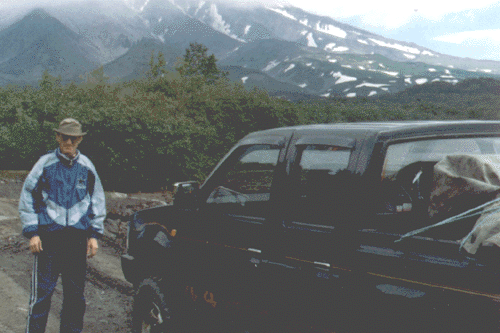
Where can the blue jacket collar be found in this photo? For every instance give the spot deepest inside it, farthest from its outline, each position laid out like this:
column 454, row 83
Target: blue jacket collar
column 65, row 159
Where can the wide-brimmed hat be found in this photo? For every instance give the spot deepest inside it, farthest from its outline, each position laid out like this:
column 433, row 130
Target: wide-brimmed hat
column 70, row 126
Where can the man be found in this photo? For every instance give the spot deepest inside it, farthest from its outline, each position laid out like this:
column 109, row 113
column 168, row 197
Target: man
column 62, row 210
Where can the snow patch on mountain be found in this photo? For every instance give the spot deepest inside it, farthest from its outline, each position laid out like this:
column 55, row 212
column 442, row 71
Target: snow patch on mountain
column 200, row 6
column 292, row 66
column 244, row 79
column 408, row 80
column 390, row 73
column 303, row 85
column 425, row 52
column 362, row 41
column 396, row 46
column 332, row 60
column 371, row 85
column 340, row 49
column 421, row 81
column 310, row 40
column 342, row 78
column 486, row 70
column 409, row 56
column 331, row 30
column 373, row 92
column 283, row 12
column 144, row 6
column 431, row 69
column 351, row 95
column 325, row 95
column 247, row 29
column 271, row 65
column 346, row 66
column 329, row 46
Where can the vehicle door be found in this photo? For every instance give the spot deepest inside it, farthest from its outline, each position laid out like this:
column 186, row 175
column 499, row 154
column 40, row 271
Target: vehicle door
column 427, row 265
column 235, row 205
column 308, row 257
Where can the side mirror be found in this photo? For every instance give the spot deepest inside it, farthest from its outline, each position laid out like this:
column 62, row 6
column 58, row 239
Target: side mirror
column 186, row 194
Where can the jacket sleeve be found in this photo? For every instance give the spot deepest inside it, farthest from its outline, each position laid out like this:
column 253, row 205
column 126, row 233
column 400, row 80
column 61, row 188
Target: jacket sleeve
column 98, row 204
column 32, row 199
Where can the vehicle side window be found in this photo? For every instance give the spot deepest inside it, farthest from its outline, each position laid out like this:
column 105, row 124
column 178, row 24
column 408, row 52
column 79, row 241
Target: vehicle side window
column 407, row 173
column 318, row 183
column 249, row 179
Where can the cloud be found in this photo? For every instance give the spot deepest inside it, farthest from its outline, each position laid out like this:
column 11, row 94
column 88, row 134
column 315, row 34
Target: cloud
column 33, row 3
column 390, row 13
column 479, row 44
column 471, row 37
column 384, row 14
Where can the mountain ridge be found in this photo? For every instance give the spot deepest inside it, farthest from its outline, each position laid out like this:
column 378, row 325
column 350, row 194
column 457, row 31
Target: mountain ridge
column 314, row 54
column 39, row 42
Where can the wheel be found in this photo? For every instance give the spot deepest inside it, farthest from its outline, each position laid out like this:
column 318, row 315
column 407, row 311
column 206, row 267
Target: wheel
column 150, row 312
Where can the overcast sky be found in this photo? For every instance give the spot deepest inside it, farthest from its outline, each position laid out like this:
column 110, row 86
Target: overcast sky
column 465, row 28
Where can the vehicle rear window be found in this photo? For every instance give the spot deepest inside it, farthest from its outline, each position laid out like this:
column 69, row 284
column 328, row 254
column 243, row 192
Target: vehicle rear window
column 324, row 158
column 401, row 154
column 318, row 186
column 408, row 168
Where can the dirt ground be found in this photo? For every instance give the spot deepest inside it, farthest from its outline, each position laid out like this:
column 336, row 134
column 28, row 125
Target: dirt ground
column 108, row 295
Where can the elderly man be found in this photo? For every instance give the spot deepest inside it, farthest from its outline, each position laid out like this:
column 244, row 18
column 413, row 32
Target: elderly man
column 62, row 210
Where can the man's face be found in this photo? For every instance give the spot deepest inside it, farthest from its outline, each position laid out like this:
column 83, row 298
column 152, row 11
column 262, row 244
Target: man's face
column 68, row 144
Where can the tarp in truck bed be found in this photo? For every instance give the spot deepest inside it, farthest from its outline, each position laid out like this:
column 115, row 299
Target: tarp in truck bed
column 468, row 181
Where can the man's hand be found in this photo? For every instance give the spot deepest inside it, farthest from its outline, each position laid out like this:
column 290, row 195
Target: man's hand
column 92, row 247
column 35, row 245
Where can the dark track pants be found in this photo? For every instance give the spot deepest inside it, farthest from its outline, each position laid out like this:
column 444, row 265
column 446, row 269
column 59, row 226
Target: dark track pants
column 64, row 255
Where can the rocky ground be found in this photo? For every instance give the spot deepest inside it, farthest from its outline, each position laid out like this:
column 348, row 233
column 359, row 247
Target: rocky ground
column 108, row 295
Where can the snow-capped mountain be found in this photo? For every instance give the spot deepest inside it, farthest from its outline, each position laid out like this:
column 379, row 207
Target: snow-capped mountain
column 312, row 54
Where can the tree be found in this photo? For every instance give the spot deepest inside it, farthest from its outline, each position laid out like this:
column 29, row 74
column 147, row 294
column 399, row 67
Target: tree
column 156, row 67
column 197, row 62
column 96, row 77
column 49, row 82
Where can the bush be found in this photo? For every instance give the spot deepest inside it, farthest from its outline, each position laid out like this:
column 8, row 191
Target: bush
column 146, row 134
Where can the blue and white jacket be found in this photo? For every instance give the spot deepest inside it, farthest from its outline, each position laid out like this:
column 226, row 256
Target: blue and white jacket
column 62, row 193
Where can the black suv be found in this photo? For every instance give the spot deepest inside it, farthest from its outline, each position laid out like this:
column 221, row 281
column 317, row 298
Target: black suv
column 295, row 231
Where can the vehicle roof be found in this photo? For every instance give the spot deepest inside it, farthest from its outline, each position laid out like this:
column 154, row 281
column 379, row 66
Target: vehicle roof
column 390, row 128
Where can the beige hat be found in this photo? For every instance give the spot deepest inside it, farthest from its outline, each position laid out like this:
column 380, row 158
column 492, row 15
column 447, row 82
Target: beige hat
column 70, row 126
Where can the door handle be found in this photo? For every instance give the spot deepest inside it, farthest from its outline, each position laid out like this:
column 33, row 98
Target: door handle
column 324, row 264
column 255, row 261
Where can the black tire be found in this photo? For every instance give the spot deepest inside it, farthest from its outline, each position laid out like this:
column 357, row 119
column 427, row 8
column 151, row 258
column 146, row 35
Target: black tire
column 150, row 312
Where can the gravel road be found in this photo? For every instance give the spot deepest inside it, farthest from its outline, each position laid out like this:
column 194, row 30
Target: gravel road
column 108, row 295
